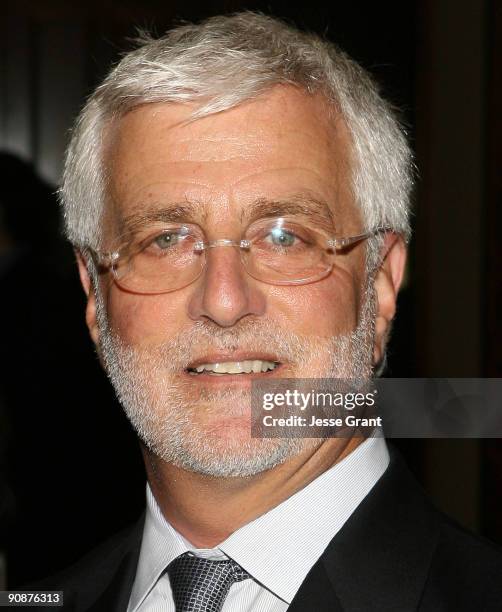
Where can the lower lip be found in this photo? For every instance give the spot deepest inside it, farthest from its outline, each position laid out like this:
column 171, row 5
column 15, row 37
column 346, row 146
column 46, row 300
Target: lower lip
column 225, row 379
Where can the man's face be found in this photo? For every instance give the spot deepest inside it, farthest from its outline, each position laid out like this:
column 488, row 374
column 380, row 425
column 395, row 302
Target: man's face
column 279, row 147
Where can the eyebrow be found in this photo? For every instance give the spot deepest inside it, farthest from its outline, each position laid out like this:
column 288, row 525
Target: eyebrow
column 296, row 205
column 171, row 213
column 304, row 205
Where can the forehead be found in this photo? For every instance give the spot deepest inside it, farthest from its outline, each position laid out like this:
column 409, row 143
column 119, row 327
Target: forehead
column 281, row 145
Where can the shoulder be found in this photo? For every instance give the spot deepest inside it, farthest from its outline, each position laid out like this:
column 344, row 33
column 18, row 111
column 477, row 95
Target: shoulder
column 465, row 570
column 398, row 552
column 108, row 568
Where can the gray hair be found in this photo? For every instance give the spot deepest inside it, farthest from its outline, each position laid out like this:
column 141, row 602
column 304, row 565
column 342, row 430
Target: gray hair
column 220, row 63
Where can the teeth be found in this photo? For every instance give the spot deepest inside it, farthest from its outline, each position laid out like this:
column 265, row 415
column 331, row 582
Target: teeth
column 237, row 367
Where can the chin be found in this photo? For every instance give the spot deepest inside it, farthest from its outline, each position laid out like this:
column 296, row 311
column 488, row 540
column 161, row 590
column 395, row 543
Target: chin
column 230, row 429
column 231, row 453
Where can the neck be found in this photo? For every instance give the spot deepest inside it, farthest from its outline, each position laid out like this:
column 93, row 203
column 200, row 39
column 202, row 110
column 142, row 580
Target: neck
column 192, row 503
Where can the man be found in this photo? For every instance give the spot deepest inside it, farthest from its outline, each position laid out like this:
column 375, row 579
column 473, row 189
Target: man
column 237, row 193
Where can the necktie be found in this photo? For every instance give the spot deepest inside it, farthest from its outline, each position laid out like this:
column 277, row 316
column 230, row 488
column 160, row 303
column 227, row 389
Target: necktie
column 201, row 585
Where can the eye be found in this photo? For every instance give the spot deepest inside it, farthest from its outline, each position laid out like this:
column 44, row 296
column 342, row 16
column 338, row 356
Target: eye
column 168, row 239
column 282, row 237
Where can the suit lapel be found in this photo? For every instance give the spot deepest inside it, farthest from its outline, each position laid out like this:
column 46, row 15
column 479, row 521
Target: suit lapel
column 116, row 593
column 115, row 597
column 316, row 593
column 380, row 559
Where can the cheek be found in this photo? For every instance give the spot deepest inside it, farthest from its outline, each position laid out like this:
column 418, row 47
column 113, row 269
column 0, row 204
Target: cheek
column 144, row 320
column 326, row 308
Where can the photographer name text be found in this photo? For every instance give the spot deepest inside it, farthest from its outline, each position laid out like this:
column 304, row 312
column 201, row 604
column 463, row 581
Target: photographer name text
column 298, row 421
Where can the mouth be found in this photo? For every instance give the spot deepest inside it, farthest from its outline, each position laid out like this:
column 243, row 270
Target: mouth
column 225, row 367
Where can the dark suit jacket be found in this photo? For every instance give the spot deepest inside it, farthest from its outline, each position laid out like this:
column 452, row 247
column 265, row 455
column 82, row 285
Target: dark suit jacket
column 396, row 553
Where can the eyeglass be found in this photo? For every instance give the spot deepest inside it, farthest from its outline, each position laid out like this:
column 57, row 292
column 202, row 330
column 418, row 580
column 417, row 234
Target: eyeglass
column 278, row 251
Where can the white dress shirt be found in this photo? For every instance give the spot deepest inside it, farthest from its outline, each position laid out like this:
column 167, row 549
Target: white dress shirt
column 277, row 549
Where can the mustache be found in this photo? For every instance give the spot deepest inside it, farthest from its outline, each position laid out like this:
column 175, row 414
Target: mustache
column 201, row 337
column 205, row 336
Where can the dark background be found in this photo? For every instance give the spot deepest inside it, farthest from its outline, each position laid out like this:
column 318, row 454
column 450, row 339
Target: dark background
column 70, row 467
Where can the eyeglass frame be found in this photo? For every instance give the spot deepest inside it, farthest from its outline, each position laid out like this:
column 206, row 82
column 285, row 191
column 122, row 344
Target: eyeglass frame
column 108, row 258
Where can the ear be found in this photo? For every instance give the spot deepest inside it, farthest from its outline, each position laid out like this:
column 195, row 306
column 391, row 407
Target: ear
column 90, row 310
column 388, row 280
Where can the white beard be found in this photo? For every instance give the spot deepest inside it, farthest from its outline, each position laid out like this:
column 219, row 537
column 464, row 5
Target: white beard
column 182, row 428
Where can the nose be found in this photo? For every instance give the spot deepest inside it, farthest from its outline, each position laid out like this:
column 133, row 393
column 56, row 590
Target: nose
column 225, row 293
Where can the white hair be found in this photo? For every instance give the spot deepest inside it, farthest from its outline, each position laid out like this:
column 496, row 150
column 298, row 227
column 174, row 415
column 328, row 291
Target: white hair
column 218, row 64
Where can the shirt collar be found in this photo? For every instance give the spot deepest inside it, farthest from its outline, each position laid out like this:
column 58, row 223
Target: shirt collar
column 292, row 535
column 161, row 544
column 295, row 533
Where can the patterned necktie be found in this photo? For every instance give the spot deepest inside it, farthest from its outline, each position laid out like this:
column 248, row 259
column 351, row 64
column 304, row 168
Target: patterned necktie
column 201, row 585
